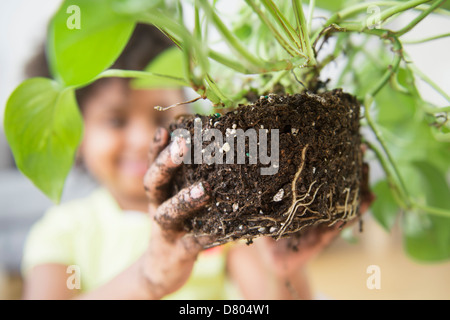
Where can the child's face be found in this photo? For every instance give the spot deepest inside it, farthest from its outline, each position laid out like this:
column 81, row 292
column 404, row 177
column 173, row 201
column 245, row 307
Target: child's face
column 119, row 125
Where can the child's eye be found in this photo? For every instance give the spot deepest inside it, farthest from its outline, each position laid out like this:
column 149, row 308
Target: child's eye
column 158, row 120
column 116, row 122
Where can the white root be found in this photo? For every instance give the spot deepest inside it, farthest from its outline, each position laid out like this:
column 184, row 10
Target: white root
column 348, row 211
column 294, row 220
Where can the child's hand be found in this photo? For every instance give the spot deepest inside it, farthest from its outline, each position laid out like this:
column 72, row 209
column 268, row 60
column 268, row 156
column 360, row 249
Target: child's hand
column 270, row 269
column 283, row 259
column 171, row 254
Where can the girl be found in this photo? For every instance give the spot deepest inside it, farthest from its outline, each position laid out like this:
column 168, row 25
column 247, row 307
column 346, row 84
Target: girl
column 109, row 232
column 118, row 243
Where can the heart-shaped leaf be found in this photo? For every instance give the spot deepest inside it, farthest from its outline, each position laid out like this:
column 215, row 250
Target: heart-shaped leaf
column 168, row 71
column 86, row 37
column 426, row 236
column 384, row 208
column 43, row 127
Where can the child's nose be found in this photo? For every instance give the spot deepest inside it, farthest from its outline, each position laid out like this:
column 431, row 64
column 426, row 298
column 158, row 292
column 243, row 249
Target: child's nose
column 139, row 136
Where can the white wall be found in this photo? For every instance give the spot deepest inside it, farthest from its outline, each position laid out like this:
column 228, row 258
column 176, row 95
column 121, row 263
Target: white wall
column 432, row 58
column 22, row 29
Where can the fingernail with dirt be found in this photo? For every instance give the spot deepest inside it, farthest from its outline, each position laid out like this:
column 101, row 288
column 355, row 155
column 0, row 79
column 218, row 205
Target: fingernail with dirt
column 176, row 150
column 197, row 191
column 157, row 137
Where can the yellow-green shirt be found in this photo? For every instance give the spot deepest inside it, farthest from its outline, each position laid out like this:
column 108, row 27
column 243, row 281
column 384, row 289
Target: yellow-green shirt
column 101, row 240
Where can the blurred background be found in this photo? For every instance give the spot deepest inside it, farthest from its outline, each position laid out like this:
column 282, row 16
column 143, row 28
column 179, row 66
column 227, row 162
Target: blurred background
column 340, row 272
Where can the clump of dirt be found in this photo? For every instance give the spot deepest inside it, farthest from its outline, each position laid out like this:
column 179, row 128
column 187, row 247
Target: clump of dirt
column 319, row 177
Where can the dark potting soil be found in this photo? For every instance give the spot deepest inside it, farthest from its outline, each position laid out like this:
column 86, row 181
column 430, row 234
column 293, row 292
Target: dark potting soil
column 319, row 179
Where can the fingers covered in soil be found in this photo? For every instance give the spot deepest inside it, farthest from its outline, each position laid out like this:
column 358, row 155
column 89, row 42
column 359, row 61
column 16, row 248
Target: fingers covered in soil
column 158, row 143
column 158, row 177
column 171, row 213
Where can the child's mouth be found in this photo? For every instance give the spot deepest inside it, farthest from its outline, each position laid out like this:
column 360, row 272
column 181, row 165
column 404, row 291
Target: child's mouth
column 133, row 167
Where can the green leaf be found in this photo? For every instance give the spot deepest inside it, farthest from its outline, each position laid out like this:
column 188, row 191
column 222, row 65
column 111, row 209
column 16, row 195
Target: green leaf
column 413, row 140
column 168, row 71
column 406, row 126
column 334, row 5
column 446, row 6
column 133, row 7
column 384, row 209
column 85, row 41
column 43, row 127
column 436, row 188
column 426, row 236
column 394, row 107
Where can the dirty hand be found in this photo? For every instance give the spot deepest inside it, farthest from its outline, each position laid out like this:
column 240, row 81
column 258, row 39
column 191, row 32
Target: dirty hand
column 171, row 254
column 286, row 256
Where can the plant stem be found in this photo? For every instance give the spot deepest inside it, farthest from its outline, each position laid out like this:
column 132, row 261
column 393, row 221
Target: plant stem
column 110, row 73
column 226, row 61
column 302, row 31
column 397, row 48
column 183, row 38
column 419, row 18
column 350, row 59
column 282, row 21
column 391, row 70
column 425, row 78
column 400, row 196
column 312, row 5
column 275, row 79
column 432, row 210
column 371, row 94
column 435, row 109
column 395, row 8
column 197, row 25
column 384, row 15
column 439, row 36
column 258, row 65
column 347, row 12
column 222, row 97
column 285, row 44
column 442, row 137
column 404, row 191
column 269, row 66
column 229, row 36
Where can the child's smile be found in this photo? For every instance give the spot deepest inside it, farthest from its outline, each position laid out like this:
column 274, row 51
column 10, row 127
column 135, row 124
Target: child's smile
column 119, row 125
